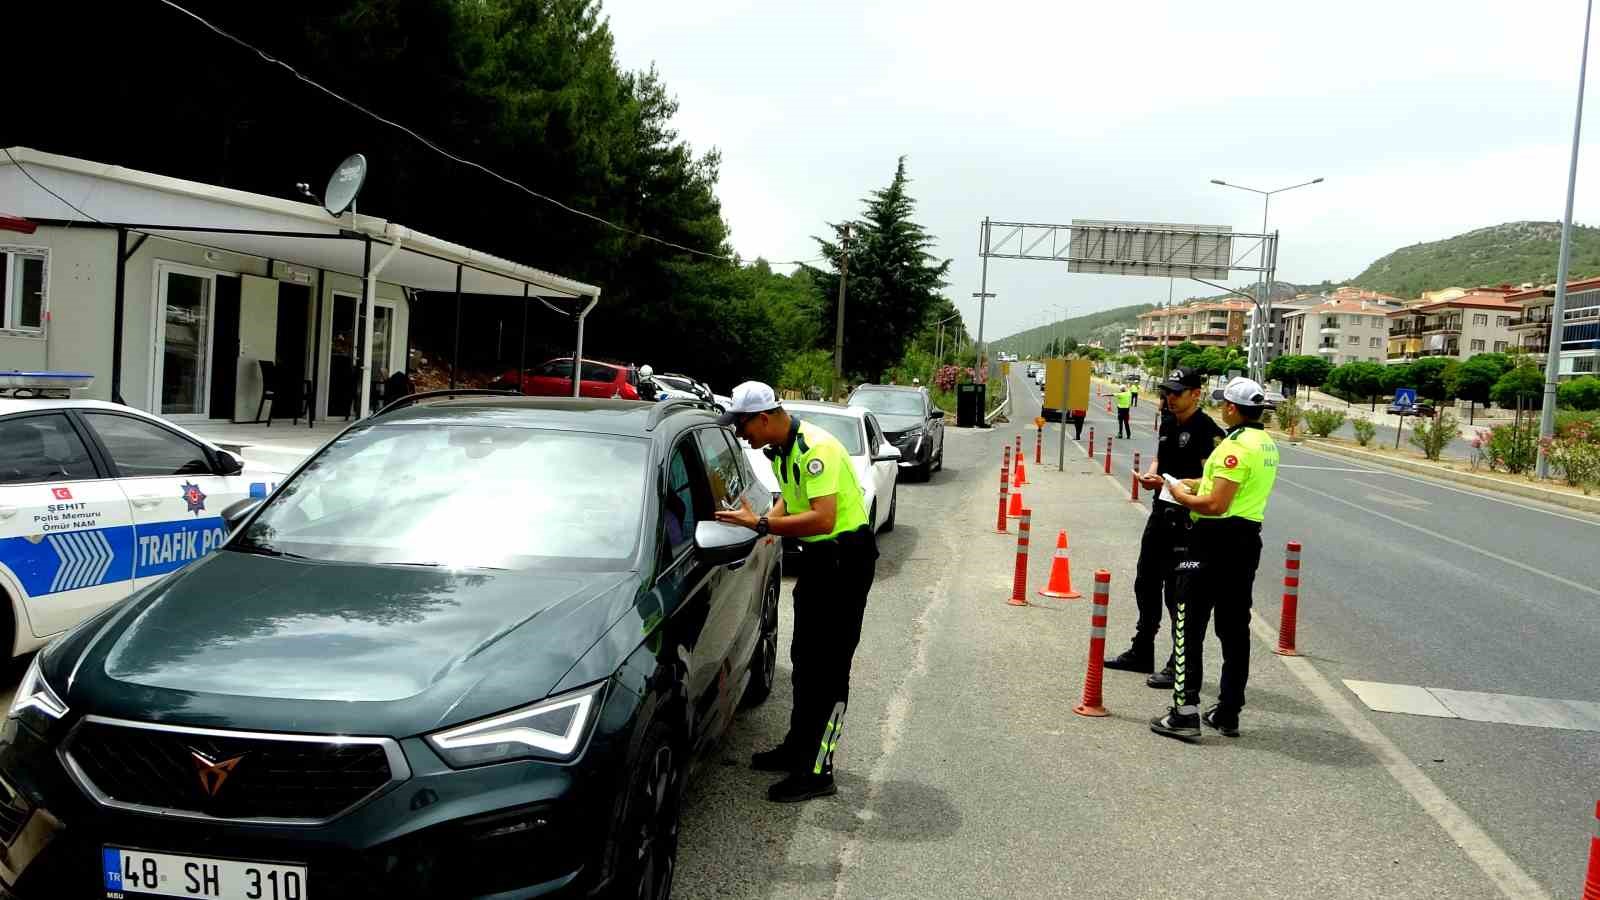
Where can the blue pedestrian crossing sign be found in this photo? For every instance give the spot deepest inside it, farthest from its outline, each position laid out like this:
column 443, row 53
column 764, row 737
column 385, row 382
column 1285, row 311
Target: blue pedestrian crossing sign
column 1405, row 398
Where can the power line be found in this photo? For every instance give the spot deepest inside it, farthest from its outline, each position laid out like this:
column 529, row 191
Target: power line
column 272, row 60
column 29, row 175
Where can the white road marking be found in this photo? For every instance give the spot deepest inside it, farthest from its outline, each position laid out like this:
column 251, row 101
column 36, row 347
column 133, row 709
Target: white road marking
column 1575, row 585
column 1399, row 698
column 1502, row 870
column 1333, row 469
column 1480, row 495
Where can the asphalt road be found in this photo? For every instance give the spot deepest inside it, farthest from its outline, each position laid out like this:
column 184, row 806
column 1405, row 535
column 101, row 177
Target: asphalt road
column 1411, row 581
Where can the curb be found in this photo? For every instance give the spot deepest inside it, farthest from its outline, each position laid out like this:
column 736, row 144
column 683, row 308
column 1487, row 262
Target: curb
column 1530, row 491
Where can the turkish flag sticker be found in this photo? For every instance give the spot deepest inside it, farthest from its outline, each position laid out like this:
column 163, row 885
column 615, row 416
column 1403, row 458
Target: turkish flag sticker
column 1231, row 462
column 62, row 493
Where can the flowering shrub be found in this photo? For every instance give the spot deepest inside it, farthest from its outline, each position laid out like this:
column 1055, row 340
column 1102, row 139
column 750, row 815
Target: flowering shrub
column 1575, row 455
column 1432, row 437
column 1514, row 447
column 1480, row 447
column 1323, row 422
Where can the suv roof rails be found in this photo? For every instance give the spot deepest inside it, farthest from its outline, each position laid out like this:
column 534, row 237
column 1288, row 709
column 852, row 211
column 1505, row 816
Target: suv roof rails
column 412, row 399
column 664, row 408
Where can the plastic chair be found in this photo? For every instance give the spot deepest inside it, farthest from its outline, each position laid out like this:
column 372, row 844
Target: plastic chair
column 268, row 392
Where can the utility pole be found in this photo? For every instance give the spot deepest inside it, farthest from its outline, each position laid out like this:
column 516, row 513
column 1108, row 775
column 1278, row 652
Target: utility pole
column 838, row 325
column 1166, row 326
column 983, row 296
column 1558, row 312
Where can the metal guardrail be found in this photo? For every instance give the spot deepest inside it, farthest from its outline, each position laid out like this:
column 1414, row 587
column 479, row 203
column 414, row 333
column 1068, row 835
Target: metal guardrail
column 998, row 410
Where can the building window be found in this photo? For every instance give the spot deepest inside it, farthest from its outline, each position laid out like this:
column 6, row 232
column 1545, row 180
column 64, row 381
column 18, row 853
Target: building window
column 1375, row 343
column 1480, row 318
column 1503, row 321
column 1476, row 346
column 1355, row 340
column 1583, row 364
column 22, row 287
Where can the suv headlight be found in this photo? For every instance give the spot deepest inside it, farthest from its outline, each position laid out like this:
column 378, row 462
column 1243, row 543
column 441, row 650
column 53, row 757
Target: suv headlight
column 553, row 728
column 35, row 697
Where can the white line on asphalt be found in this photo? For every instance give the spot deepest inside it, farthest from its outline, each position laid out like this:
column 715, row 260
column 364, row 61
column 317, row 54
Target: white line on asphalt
column 1575, row 585
column 1479, row 847
column 1332, row 469
column 1478, row 706
column 1481, row 495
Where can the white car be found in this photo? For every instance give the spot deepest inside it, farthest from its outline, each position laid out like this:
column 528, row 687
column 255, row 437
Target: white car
column 856, row 428
column 98, row 500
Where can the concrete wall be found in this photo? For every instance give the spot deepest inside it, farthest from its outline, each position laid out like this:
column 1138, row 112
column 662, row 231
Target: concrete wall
column 79, row 287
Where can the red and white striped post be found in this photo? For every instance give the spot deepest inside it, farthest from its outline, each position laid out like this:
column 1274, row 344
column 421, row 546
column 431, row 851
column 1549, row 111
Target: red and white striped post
column 1093, row 704
column 1091, row 442
column 1038, row 445
column 1135, row 497
column 1019, row 578
column 1108, row 454
column 1005, row 490
column 1591, row 880
column 1291, row 599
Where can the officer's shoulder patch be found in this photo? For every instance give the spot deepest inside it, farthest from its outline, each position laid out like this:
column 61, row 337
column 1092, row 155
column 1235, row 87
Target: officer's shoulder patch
column 814, row 467
column 1231, row 462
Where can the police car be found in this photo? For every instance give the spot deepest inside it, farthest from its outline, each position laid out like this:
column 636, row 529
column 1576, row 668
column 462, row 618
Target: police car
column 98, row 500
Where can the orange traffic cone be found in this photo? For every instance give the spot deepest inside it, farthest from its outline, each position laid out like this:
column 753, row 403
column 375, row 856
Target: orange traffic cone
column 1015, row 512
column 1060, row 585
column 1020, row 476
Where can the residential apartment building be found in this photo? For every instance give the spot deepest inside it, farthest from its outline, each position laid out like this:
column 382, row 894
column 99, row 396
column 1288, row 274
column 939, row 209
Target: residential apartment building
column 1580, row 331
column 1130, row 337
column 1339, row 331
column 1276, row 337
column 1476, row 321
column 1207, row 324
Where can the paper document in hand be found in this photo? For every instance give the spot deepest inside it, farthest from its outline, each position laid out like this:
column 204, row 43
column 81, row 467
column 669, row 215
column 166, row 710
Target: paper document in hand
column 1166, row 489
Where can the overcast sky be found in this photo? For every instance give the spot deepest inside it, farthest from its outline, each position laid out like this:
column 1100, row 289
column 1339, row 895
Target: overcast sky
column 1427, row 118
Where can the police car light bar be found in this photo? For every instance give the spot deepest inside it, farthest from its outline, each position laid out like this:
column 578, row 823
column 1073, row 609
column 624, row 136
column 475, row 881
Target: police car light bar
column 39, row 384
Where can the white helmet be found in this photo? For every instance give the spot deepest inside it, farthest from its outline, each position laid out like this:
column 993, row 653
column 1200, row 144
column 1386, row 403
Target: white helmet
column 645, row 371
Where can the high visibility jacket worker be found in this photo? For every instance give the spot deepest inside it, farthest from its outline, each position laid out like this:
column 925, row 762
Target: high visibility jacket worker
column 821, row 505
column 1124, row 401
column 1217, row 567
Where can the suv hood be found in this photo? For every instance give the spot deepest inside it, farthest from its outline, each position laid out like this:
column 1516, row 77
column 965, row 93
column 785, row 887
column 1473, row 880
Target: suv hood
column 261, row 643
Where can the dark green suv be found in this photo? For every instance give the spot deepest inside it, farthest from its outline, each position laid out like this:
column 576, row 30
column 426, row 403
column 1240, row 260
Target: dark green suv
column 468, row 649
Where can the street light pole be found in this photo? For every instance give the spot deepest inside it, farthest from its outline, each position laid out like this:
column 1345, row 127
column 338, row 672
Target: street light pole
column 838, row 326
column 1263, row 308
column 983, row 295
column 1552, row 360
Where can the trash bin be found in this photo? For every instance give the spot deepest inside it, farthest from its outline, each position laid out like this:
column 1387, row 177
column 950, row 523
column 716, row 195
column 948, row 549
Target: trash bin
column 970, row 405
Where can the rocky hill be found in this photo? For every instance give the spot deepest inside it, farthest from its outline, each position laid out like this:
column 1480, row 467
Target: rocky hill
column 1513, row 253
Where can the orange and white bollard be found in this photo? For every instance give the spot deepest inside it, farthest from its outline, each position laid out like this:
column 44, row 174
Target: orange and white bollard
column 1135, row 496
column 1108, row 455
column 1005, row 483
column 1019, row 578
column 1091, row 442
column 1591, row 880
column 1291, row 599
column 1093, row 704
column 1038, row 445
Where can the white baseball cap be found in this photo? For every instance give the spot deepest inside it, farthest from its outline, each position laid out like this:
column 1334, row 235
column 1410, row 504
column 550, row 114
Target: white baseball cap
column 750, row 397
column 1242, row 392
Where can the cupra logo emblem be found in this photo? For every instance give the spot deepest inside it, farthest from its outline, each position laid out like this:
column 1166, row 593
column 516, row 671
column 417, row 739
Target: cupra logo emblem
column 212, row 773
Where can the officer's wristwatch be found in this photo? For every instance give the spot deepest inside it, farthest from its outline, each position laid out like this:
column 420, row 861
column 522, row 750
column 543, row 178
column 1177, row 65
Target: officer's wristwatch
column 763, row 528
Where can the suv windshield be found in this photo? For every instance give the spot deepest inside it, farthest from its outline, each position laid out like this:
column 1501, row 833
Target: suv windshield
column 846, row 428
column 461, row 496
column 890, row 403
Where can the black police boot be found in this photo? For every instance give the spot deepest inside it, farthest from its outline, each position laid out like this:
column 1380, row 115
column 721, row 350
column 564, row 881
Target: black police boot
column 804, row 786
column 1174, row 724
column 779, row 759
column 1223, row 721
column 1163, row 679
column 1133, row 660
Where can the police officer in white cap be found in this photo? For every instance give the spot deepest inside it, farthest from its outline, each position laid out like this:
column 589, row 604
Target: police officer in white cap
column 822, row 507
column 1217, row 564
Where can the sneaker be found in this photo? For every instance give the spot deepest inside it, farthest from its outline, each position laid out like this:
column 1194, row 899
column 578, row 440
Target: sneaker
column 1132, row 661
column 1174, row 724
column 1162, row 680
column 1222, row 721
column 778, row 759
column 806, row 786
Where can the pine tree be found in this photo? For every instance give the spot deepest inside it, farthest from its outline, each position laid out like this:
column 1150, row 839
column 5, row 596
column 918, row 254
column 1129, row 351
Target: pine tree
column 893, row 283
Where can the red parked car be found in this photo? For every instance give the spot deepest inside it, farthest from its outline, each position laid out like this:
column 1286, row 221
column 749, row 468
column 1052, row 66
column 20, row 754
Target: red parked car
column 554, row 379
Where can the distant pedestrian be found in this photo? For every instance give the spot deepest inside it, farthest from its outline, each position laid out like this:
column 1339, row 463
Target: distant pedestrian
column 1218, row 561
column 1133, row 386
column 1184, row 440
column 1124, row 403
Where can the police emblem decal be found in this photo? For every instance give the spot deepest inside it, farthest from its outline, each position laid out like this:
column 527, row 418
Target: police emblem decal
column 1183, row 439
column 814, row 467
column 194, row 498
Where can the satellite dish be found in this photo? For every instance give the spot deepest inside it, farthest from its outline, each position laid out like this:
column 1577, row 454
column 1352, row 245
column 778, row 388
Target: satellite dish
column 344, row 185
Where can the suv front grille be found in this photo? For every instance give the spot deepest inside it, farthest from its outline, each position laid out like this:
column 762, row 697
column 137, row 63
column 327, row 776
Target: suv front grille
column 229, row 775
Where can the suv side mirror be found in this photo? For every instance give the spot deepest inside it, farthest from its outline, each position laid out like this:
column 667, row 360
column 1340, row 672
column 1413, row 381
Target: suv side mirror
column 936, row 413
column 229, row 463
column 887, row 453
column 721, row 544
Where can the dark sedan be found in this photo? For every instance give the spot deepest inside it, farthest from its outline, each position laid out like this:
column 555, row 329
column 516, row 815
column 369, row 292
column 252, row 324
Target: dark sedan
column 910, row 422
column 468, row 650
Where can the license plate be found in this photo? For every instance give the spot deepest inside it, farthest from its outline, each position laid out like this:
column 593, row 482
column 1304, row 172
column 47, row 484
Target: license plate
column 136, row 873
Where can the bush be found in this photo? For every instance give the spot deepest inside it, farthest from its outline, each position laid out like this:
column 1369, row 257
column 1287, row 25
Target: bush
column 1566, row 420
column 1576, row 455
column 1513, row 447
column 1288, row 415
column 1432, row 437
column 1365, row 432
column 1323, row 422
column 1580, row 393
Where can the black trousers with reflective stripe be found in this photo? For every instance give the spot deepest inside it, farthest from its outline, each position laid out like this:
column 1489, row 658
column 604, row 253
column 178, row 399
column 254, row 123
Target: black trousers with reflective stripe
column 1217, row 564
column 1155, row 579
column 830, row 601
